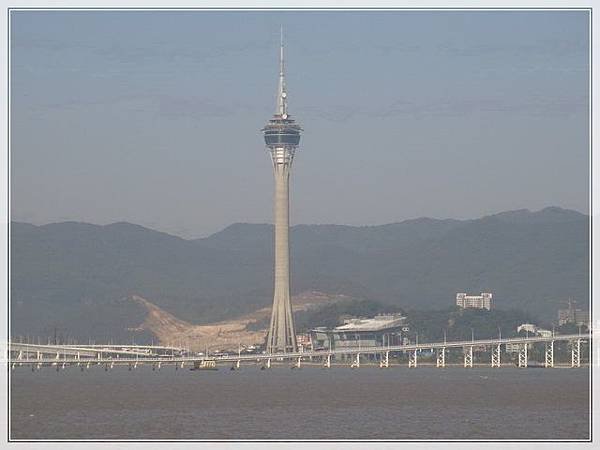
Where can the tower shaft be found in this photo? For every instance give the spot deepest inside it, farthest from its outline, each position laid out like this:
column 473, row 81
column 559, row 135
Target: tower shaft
column 281, row 336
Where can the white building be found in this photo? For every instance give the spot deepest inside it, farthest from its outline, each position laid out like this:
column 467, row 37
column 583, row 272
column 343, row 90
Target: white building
column 544, row 333
column 381, row 330
column 531, row 328
column 483, row 301
column 534, row 329
column 512, row 347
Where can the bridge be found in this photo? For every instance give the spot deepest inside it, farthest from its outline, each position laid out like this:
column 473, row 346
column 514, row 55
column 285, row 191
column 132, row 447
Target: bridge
column 37, row 356
column 43, row 354
column 93, row 349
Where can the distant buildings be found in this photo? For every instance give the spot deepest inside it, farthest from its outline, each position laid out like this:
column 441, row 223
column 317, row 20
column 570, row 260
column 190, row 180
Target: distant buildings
column 514, row 348
column 304, row 342
column 573, row 315
column 544, row 333
column 381, row 330
column 483, row 301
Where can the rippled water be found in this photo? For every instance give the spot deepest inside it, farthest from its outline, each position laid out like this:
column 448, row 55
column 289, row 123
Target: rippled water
column 310, row 403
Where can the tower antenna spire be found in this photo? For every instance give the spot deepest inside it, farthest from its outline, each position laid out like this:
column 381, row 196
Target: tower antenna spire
column 281, row 92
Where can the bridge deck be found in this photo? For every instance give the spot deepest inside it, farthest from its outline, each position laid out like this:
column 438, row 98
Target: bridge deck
column 145, row 358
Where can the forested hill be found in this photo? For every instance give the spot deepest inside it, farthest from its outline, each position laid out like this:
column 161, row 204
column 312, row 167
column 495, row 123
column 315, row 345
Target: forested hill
column 77, row 276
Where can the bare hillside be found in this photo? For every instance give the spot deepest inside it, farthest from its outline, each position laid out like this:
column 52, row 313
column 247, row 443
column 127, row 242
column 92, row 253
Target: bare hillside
column 224, row 335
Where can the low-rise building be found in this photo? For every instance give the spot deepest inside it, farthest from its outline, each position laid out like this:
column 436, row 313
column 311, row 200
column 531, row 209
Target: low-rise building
column 513, row 347
column 304, row 342
column 378, row 331
column 534, row 329
column 544, row 333
column 531, row 328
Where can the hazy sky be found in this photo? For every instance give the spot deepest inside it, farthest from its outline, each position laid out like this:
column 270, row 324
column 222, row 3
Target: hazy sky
column 154, row 117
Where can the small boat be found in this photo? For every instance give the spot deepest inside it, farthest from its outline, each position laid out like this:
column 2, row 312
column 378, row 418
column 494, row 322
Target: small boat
column 205, row 364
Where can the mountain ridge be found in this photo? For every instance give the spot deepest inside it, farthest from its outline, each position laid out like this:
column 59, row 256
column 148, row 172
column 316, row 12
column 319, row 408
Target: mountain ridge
column 74, row 275
column 416, row 220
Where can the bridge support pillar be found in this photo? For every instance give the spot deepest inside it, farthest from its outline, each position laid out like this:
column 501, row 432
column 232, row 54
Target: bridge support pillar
column 523, row 356
column 328, row 361
column 575, row 353
column 469, row 357
column 549, row 354
column 441, row 357
column 385, row 362
column 496, row 356
column 412, row 359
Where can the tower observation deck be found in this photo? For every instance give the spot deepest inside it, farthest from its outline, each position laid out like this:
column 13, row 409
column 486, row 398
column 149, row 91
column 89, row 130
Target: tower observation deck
column 282, row 137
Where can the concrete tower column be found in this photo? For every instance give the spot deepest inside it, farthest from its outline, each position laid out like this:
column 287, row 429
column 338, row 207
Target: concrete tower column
column 282, row 335
column 282, row 137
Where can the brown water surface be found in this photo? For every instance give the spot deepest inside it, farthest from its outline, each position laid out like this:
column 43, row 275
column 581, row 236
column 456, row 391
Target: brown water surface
column 310, row 403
